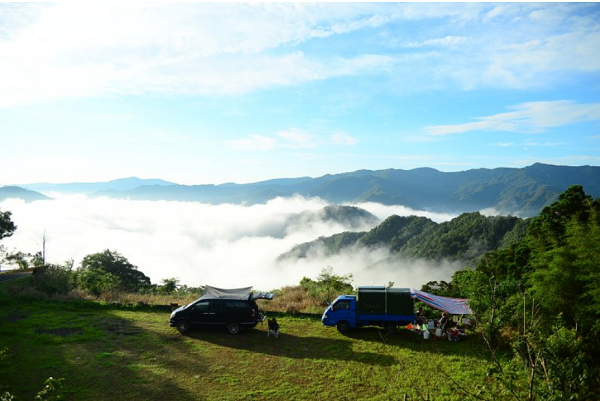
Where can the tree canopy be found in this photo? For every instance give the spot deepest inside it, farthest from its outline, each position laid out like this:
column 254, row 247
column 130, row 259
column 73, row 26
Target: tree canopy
column 541, row 298
column 7, row 227
column 117, row 265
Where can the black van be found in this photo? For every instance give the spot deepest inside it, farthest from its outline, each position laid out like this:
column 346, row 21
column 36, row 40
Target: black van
column 218, row 307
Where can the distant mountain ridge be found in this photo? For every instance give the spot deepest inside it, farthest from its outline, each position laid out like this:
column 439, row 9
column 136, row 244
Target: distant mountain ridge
column 121, row 184
column 520, row 191
column 10, row 192
column 517, row 191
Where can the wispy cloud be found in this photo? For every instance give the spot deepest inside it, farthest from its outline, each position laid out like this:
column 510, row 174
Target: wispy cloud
column 293, row 138
column 448, row 41
column 254, row 143
column 543, row 144
column 532, row 117
column 296, row 138
column 343, row 139
column 71, row 50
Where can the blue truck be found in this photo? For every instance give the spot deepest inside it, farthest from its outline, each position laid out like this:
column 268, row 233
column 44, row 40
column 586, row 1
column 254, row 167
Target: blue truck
column 375, row 306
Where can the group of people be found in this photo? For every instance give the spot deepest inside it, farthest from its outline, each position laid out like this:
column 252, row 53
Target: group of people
column 453, row 331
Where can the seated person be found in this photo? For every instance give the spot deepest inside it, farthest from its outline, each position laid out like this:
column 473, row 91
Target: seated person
column 456, row 333
column 420, row 318
column 443, row 321
column 453, row 334
column 273, row 327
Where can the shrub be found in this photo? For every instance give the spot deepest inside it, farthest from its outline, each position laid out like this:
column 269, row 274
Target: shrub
column 54, row 280
column 96, row 281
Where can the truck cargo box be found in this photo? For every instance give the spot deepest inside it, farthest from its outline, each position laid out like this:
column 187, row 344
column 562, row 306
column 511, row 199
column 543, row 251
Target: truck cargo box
column 381, row 300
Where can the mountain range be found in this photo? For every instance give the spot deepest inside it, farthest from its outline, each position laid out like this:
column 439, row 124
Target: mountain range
column 510, row 191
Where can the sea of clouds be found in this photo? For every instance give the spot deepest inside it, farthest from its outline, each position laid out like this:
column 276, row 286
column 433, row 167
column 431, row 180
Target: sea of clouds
column 225, row 245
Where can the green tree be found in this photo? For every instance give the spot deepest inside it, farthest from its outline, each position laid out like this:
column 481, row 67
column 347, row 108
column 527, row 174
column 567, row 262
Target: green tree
column 7, row 227
column 169, row 285
column 441, row 288
column 549, row 228
column 541, row 298
column 18, row 258
column 328, row 283
column 116, row 264
column 24, row 260
column 96, row 281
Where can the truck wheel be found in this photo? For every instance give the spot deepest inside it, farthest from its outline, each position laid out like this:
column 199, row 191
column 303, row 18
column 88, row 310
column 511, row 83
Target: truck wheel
column 390, row 328
column 183, row 326
column 233, row 328
column 343, row 327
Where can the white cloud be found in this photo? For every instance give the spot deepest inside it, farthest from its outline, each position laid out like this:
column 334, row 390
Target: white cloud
column 532, row 117
column 292, row 138
column 72, row 50
column 543, row 144
column 223, row 245
column 379, row 267
column 296, row 138
column 341, row 138
column 448, row 41
column 254, row 143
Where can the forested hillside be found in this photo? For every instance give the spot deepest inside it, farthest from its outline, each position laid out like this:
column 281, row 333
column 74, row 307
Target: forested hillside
column 540, row 299
column 465, row 238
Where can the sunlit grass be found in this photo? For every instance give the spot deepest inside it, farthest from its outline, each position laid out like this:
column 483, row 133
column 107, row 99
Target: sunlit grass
column 106, row 352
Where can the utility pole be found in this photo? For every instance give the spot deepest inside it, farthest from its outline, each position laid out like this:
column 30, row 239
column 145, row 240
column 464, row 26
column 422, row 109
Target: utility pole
column 44, row 248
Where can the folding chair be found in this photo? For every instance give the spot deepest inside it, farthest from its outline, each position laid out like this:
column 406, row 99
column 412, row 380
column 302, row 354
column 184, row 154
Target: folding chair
column 273, row 328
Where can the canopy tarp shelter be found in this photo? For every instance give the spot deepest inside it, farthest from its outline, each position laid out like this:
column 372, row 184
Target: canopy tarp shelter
column 453, row 306
column 234, row 293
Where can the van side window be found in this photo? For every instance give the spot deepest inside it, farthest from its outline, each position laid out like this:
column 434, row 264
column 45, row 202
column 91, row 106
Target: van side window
column 217, row 305
column 236, row 305
column 201, row 306
column 341, row 305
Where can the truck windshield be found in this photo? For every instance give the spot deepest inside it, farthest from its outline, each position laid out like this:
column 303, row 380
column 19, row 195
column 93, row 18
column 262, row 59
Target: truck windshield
column 341, row 305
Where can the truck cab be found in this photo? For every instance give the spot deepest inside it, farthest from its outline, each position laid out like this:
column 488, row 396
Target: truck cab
column 341, row 313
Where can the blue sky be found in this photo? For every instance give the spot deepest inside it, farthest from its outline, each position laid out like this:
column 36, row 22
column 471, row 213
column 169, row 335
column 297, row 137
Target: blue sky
column 200, row 93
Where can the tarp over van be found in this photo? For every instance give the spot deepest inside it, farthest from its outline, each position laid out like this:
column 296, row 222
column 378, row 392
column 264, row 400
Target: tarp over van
column 454, row 306
column 234, row 293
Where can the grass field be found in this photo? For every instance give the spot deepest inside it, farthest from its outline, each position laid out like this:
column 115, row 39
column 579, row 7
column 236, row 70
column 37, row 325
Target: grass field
column 109, row 353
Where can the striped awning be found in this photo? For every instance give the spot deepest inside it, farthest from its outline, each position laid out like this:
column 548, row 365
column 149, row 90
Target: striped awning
column 454, row 306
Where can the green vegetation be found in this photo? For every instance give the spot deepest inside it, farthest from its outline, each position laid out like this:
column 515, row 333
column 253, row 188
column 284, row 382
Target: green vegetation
column 540, row 300
column 105, row 352
column 111, row 270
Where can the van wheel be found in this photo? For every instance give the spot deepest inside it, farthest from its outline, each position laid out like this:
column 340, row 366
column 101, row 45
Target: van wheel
column 343, row 327
column 183, row 326
column 233, row 328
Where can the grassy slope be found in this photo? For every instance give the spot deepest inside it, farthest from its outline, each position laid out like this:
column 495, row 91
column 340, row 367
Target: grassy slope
column 123, row 354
